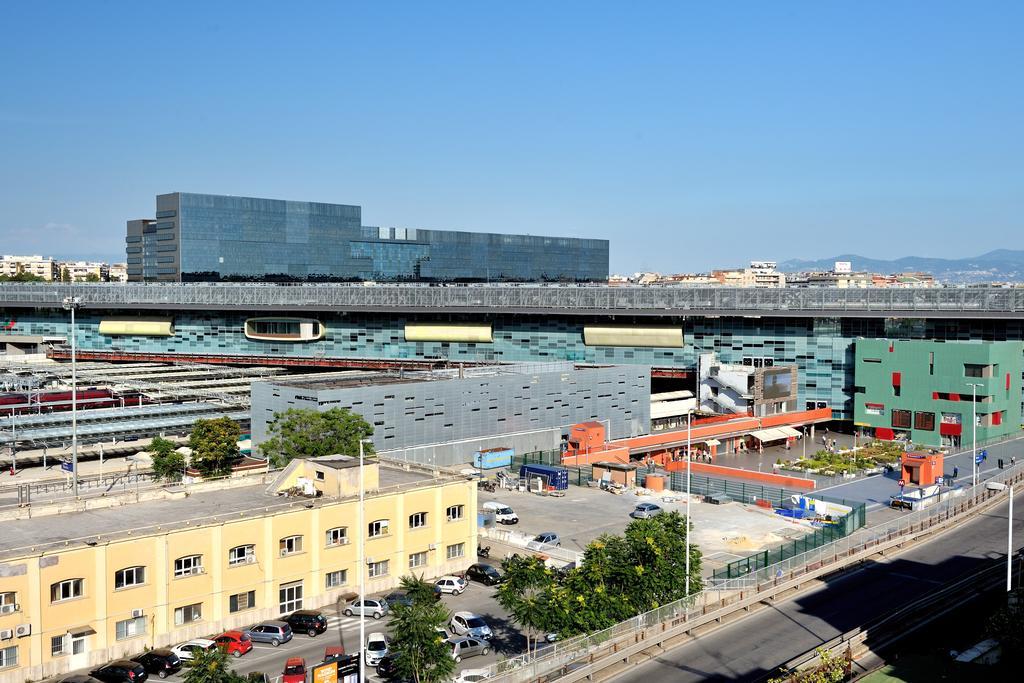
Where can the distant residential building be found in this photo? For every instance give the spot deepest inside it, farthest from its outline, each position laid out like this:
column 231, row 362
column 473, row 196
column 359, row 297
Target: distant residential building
column 118, row 272
column 689, row 279
column 80, row 271
column 759, row 274
column 838, row 280
column 618, row 280
column 45, row 268
column 914, row 279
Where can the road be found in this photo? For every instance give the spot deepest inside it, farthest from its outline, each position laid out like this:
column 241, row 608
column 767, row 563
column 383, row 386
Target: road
column 758, row 644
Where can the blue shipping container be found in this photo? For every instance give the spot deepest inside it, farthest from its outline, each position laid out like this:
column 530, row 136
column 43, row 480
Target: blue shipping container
column 557, row 477
column 493, row 457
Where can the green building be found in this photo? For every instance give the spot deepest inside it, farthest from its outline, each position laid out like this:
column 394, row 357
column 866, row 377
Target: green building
column 923, row 390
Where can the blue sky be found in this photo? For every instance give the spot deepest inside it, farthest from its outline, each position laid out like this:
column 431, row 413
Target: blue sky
column 690, row 135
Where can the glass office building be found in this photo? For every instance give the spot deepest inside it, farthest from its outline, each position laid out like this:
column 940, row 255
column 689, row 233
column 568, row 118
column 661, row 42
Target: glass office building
column 208, row 238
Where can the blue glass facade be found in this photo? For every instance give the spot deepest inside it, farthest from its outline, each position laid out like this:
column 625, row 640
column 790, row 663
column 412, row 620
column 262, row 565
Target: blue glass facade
column 198, row 237
column 822, row 348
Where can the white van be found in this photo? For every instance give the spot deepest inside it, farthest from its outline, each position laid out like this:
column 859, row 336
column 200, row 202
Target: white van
column 503, row 514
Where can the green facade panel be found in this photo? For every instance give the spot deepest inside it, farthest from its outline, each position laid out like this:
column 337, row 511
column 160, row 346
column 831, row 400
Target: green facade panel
column 925, row 390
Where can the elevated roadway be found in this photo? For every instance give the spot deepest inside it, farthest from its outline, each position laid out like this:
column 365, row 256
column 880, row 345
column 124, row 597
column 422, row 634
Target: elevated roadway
column 751, row 648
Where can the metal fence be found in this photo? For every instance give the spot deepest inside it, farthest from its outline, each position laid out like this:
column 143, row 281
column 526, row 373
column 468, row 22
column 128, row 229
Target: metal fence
column 579, row 476
column 567, row 299
column 561, row 658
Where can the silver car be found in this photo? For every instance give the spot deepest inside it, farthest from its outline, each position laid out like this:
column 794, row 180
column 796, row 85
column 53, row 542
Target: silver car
column 646, row 511
column 469, row 624
column 468, row 647
column 371, row 607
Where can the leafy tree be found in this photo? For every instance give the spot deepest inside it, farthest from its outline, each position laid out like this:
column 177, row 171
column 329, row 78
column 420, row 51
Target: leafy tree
column 65, row 274
column 1007, row 626
column 420, row 653
column 22, row 276
column 168, row 464
column 830, row 669
column 214, row 445
column 529, row 593
column 92, row 277
column 307, row 433
column 211, row 666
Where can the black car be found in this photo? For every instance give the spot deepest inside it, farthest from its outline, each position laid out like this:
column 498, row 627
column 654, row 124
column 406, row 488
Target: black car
column 387, row 670
column 78, row 678
column 306, row 621
column 398, row 598
column 121, row 670
column 161, row 662
column 484, row 573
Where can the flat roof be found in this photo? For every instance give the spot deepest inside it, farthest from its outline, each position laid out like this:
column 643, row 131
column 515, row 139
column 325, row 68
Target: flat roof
column 369, row 379
column 247, row 499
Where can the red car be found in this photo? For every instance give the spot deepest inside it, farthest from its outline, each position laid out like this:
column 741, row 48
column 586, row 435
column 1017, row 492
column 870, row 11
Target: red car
column 294, row 671
column 234, row 643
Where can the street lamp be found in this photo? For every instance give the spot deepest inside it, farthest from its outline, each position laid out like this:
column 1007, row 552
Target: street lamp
column 70, row 304
column 974, row 432
column 689, row 429
column 361, row 564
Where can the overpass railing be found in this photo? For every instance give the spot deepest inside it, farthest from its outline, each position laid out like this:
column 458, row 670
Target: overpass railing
column 515, row 297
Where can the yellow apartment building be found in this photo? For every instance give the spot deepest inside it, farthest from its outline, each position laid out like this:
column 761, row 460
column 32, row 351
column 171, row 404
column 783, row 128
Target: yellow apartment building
column 81, row 589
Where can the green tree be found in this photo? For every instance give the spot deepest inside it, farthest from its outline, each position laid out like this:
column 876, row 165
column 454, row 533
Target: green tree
column 211, row 666
column 830, row 669
column 1007, row 626
column 307, row 433
column 92, row 277
column 530, row 594
column 168, row 464
column 65, row 274
column 214, row 445
column 421, row 654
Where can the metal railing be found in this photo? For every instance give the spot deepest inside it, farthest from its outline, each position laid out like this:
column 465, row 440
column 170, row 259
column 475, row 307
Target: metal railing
column 560, row 659
column 567, row 299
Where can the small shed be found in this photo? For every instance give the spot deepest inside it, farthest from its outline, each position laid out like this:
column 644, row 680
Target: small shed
column 617, row 472
column 921, row 468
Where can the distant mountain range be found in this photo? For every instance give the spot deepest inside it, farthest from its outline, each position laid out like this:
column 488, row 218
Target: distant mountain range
column 995, row 266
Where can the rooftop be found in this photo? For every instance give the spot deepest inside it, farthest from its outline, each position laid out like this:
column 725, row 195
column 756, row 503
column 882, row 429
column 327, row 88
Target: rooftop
column 204, row 506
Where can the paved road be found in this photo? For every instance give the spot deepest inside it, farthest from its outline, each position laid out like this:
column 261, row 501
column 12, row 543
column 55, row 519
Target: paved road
column 750, row 648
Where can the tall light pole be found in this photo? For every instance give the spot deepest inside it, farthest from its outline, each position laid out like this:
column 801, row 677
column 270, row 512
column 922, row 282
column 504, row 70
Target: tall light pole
column 1009, row 546
column 689, row 431
column 70, row 304
column 974, row 432
column 362, row 567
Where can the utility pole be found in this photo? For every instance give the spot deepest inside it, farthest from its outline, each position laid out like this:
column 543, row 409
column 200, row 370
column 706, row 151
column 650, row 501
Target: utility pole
column 974, row 432
column 70, row 304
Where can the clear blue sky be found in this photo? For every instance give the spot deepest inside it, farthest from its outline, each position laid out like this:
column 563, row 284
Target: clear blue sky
column 689, row 135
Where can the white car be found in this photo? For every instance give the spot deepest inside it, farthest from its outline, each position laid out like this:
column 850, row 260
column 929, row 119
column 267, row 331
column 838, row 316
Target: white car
column 376, row 648
column 451, row 584
column 472, row 675
column 469, row 624
column 187, row 651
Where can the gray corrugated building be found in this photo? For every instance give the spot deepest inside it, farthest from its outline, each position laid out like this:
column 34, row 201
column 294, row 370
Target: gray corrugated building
column 443, row 419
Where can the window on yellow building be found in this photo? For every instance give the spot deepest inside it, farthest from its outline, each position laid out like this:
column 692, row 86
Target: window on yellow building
column 290, row 596
column 290, row 545
column 67, row 590
column 59, row 645
column 455, row 512
column 242, row 601
column 337, row 536
column 188, row 565
column 9, row 602
column 378, row 528
column 130, row 628
column 335, row 579
column 377, row 569
column 242, row 554
column 417, row 520
column 418, row 560
column 9, row 657
column 457, row 550
column 188, row 614
column 128, row 577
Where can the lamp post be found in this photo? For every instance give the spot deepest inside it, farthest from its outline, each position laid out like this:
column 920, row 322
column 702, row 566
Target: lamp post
column 974, row 432
column 689, row 430
column 361, row 564
column 70, row 304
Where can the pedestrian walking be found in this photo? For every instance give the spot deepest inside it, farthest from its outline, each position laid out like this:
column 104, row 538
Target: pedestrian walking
column 824, row 439
column 1013, row 460
column 956, row 472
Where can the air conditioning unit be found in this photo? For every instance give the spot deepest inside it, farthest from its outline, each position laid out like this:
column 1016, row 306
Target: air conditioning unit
column 250, row 558
column 9, row 608
column 198, row 570
column 432, row 546
column 6, row 634
column 23, row 630
column 284, row 552
column 136, row 613
column 369, row 560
